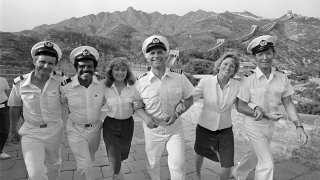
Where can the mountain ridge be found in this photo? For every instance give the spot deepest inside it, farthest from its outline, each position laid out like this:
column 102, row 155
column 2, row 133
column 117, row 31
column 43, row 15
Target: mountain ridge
column 193, row 33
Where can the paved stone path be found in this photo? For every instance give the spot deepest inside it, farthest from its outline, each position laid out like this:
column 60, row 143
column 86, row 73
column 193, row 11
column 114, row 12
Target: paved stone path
column 135, row 166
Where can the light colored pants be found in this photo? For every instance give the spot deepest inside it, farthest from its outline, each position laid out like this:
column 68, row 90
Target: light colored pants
column 84, row 143
column 260, row 157
column 156, row 139
column 41, row 148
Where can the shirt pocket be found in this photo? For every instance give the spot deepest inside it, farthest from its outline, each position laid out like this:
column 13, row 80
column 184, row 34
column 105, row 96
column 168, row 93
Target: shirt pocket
column 75, row 100
column 97, row 99
column 257, row 94
column 30, row 101
column 276, row 94
column 53, row 99
column 175, row 94
column 150, row 98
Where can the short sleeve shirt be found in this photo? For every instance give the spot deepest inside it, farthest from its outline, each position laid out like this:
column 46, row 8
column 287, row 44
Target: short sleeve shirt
column 266, row 93
column 84, row 103
column 38, row 106
column 161, row 96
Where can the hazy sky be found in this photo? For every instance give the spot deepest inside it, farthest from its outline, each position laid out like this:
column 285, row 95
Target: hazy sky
column 18, row 15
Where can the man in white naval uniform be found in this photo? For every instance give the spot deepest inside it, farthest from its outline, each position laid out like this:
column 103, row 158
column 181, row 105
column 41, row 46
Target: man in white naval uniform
column 84, row 96
column 164, row 94
column 259, row 97
column 37, row 96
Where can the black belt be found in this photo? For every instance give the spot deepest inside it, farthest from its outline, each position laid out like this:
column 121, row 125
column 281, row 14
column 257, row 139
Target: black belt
column 43, row 125
column 88, row 125
column 5, row 104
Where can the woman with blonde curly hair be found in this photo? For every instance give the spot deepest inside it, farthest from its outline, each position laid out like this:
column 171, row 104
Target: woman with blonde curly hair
column 118, row 125
column 214, row 135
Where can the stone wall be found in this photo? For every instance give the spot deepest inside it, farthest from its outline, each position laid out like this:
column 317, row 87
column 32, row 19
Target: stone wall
column 284, row 145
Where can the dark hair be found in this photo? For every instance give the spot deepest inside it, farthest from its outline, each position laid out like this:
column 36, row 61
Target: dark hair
column 119, row 61
column 76, row 63
column 222, row 58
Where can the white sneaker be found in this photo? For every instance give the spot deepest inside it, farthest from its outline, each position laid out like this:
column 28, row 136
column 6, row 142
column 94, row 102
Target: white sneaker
column 4, row 155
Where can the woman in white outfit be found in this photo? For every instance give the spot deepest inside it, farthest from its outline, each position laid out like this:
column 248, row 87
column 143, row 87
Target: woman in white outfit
column 214, row 135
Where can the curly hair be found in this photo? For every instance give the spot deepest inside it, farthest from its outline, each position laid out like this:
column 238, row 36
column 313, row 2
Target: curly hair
column 226, row 55
column 119, row 61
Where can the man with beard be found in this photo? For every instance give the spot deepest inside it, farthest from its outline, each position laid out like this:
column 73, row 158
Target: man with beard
column 267, row 89
column 37, row 96
column 166, row 96
column 84, row 96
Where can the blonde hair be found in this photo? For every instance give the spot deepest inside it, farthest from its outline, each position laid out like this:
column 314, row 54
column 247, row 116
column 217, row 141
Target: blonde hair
column 226, row 55
column 119, row 61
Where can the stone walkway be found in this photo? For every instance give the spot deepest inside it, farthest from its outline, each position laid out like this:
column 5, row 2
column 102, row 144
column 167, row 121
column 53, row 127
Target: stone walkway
column 135, row 166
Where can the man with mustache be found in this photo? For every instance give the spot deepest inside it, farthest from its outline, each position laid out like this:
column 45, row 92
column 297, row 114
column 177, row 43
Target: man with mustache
column 166, row 96
column 84, row 95
column 37, row 96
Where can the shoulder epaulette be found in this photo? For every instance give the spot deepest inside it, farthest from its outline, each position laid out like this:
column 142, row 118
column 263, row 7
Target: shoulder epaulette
column 176, row 71
column 277, row 70
column 19, row 78
column 99, row 76
column 249, row 73
column 142, row 76
column 66, row 81
column 58, row 73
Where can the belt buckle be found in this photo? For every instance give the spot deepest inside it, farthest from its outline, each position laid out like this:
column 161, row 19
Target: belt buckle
column 43, row 125
column 88, row 125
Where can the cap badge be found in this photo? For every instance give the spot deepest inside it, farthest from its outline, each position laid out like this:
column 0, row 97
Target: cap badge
column 263, row 43
column 155, row 41
column 86, row 52
column 48, row 44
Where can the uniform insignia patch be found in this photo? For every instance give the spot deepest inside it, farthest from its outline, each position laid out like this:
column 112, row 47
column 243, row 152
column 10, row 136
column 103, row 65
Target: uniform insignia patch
column 19, row 78
column 155, row 41
column 86, row 52
column 176, row 71
column 58, row 73
column 249, row 73
column 66, row 81
column 142, row 76
column 48, row 44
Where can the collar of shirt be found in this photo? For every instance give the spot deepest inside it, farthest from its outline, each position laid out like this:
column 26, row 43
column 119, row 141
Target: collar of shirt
column 28, row 80
column 215, row 80
column 166, row 73
column 259, row 73
column 75, row 81
column 115, row 88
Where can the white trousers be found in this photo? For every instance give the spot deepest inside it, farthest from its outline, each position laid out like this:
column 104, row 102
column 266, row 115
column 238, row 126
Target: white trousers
column 84, row 143
column 41, row 148
column 156, row 140
column 259, row 157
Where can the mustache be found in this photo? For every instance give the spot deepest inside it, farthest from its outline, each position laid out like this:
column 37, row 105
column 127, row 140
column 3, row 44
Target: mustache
column 89, row 72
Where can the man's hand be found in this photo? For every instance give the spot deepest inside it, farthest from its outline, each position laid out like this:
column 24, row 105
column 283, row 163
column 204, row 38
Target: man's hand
column 302, row 136
column 171, row 119
column 14, row 136
column 180, row 108
column 258, row 113
column 274, row 116
column 151, row 123
column 137, row 105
